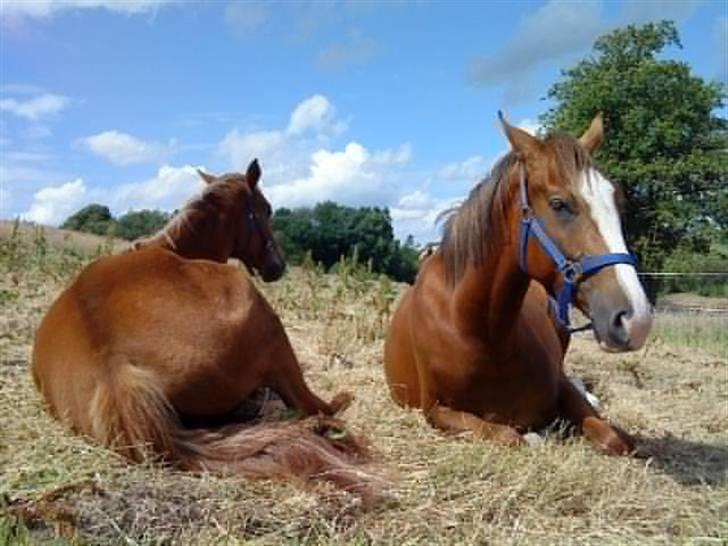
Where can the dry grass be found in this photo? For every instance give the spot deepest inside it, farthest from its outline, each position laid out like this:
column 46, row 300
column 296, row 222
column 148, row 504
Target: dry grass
column 58, row 489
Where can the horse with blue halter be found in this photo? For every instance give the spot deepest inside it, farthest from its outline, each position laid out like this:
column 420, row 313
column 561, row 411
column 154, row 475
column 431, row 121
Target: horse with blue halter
column 478, row 342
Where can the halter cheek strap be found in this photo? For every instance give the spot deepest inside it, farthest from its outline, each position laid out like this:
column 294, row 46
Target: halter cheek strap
column 572, row 271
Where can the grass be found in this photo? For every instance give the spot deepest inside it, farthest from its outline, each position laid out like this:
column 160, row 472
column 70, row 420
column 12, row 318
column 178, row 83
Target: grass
column 57, row 488
column 694, row 330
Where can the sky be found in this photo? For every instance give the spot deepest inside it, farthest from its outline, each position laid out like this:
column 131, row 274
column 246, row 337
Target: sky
column 373, row 103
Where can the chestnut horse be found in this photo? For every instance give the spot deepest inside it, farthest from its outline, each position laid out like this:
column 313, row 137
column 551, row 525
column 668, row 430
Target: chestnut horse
column 477, row 343
column 143, row 341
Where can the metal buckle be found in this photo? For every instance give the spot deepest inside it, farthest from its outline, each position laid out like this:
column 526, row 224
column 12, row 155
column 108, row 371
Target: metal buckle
column 572, row 271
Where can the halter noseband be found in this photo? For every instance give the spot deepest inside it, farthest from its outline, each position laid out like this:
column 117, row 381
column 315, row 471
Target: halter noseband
column 572, row 271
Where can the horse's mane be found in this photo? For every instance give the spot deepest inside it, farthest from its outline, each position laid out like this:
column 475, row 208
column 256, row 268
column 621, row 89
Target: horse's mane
column 474, row 229
column 199, row 210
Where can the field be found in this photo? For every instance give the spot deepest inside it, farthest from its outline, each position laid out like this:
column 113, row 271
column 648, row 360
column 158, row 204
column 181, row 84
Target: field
column 59, row 489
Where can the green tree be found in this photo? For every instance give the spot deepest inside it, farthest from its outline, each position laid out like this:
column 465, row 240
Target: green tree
column 329, row 230
column 93, row 218
column 664, row 144
column 135, row 224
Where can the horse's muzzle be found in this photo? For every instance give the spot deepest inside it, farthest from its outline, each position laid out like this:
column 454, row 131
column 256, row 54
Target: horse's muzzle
column 273, row 269
column 619, row 329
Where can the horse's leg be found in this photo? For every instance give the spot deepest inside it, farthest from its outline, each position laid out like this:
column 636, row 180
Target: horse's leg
column 575, row 408
column 450, row 420
column 286, row 378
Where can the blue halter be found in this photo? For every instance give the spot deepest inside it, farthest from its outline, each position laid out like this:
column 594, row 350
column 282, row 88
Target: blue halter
column 572, row 271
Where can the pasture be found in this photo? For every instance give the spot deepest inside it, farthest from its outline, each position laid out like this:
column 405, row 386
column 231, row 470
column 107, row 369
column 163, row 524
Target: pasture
column 55, row 488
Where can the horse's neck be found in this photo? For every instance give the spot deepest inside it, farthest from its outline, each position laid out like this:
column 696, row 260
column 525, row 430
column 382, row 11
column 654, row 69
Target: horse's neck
column 490, row 295
column 198, row 236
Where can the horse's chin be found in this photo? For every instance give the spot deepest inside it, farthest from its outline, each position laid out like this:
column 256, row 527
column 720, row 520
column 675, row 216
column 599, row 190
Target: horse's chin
column 606, row 346
column 610, row 349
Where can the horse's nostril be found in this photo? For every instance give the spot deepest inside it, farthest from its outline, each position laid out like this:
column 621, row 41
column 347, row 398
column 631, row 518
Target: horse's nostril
column 618, row 319
column 617, row 330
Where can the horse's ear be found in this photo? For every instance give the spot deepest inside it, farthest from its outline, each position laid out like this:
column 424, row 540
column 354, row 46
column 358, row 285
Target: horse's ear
column 593, row 135
column 206, row 177
column 252, row 175
column 521, row 141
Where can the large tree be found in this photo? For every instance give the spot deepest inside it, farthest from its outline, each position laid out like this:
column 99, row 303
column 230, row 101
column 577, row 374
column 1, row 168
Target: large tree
column 664, row 142
column 329, row 231
column 92, row 218
column 137, row 223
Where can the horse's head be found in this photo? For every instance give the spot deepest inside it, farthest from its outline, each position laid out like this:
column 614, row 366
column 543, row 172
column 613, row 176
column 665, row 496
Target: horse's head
column 572, row 204
column 252, row 238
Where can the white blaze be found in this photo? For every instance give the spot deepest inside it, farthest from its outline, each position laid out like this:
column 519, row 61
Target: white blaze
column 598, row 192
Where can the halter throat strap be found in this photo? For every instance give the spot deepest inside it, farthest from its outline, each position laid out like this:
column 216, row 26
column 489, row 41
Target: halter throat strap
column 572, row 271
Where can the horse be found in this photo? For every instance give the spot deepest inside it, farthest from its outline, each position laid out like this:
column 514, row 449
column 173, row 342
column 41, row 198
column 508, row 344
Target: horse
column 478, row 342
column 142, row 342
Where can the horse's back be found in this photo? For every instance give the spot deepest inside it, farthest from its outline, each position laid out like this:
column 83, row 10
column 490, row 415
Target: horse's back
column 177, row 319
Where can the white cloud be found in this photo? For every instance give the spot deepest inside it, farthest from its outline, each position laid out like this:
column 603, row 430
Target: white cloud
column 39, row 107
column 416, row 214
column 47, row 8
column 240, row 147
column 54, row 204
column 285, row 152
column 530, row 125
column 124, row 149
column 302, row 167
column 353, row 176
column 315, row 114
column 469, row 170
column 168, row 190
column 558, row 30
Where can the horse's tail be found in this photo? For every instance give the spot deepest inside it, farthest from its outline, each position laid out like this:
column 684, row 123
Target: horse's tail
column 130, row 414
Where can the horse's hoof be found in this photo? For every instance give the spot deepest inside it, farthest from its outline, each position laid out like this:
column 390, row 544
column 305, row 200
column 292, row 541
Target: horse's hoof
column 340, row 402
column 623, row 444
column 509, row 437
column 608, row 439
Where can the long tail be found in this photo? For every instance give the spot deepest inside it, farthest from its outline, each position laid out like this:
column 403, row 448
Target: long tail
column 131, row 415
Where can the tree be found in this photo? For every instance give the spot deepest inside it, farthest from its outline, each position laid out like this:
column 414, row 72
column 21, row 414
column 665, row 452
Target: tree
column 135, row 224
column 664, row 144
column 329, row 231
column 93, row 218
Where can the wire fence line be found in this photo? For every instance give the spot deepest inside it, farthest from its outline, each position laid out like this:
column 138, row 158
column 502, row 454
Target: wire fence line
column 710, row 274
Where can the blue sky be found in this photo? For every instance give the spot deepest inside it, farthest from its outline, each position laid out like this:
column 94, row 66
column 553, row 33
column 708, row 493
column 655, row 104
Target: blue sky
column 366, row 103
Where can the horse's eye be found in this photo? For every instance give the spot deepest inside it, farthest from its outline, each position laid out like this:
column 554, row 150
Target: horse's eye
column 559, row 205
